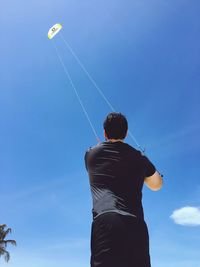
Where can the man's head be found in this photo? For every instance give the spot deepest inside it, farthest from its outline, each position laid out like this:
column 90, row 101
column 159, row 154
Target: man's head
column 115, row 126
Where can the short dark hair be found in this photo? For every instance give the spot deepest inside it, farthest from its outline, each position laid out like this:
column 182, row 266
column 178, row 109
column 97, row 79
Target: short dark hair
column 115, row 125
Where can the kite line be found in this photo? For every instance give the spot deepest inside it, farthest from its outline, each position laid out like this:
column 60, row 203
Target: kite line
column 76, row 92
column 95, row 84
column 52, row 32
column 86, row 72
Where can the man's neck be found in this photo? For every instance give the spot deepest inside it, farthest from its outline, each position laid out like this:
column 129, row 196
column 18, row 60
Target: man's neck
column 115, row 140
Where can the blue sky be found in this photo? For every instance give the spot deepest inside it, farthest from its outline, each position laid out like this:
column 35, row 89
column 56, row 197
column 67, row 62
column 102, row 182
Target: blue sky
column 144, row 55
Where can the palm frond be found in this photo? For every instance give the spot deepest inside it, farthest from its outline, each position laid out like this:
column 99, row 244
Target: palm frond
column 5, row 233
column 5, row 242
column 5, row 254
column 2, row 226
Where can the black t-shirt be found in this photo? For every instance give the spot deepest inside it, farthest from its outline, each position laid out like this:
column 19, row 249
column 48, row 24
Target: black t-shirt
column 117, row 171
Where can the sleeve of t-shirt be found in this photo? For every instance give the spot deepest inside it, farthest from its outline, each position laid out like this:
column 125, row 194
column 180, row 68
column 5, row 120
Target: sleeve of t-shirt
column 149, row 168
column 85, row 159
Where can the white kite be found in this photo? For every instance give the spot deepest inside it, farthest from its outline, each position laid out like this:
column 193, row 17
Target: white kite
column 54, row 30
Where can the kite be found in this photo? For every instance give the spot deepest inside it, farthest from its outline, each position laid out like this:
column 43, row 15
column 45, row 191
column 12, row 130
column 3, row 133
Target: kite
column 54, row 30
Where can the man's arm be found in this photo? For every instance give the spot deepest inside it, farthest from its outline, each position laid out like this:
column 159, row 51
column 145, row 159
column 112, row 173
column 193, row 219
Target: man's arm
column 154, row 182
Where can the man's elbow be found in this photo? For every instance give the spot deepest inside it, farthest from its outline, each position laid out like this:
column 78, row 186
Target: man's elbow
column 156, row 187
column 154, row 182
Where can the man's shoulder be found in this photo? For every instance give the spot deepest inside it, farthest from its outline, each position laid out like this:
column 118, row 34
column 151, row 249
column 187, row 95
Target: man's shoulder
column 93, row 147
column 106, row 146
column 131, row 149
column 92, row 153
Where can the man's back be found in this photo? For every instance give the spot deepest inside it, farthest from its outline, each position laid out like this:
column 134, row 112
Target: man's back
column 117, row 173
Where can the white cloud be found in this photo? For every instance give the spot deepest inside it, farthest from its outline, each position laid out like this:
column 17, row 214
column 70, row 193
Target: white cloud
column 189, row 216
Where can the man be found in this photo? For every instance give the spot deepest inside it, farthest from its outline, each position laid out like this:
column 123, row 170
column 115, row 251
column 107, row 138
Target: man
column 117, row 172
